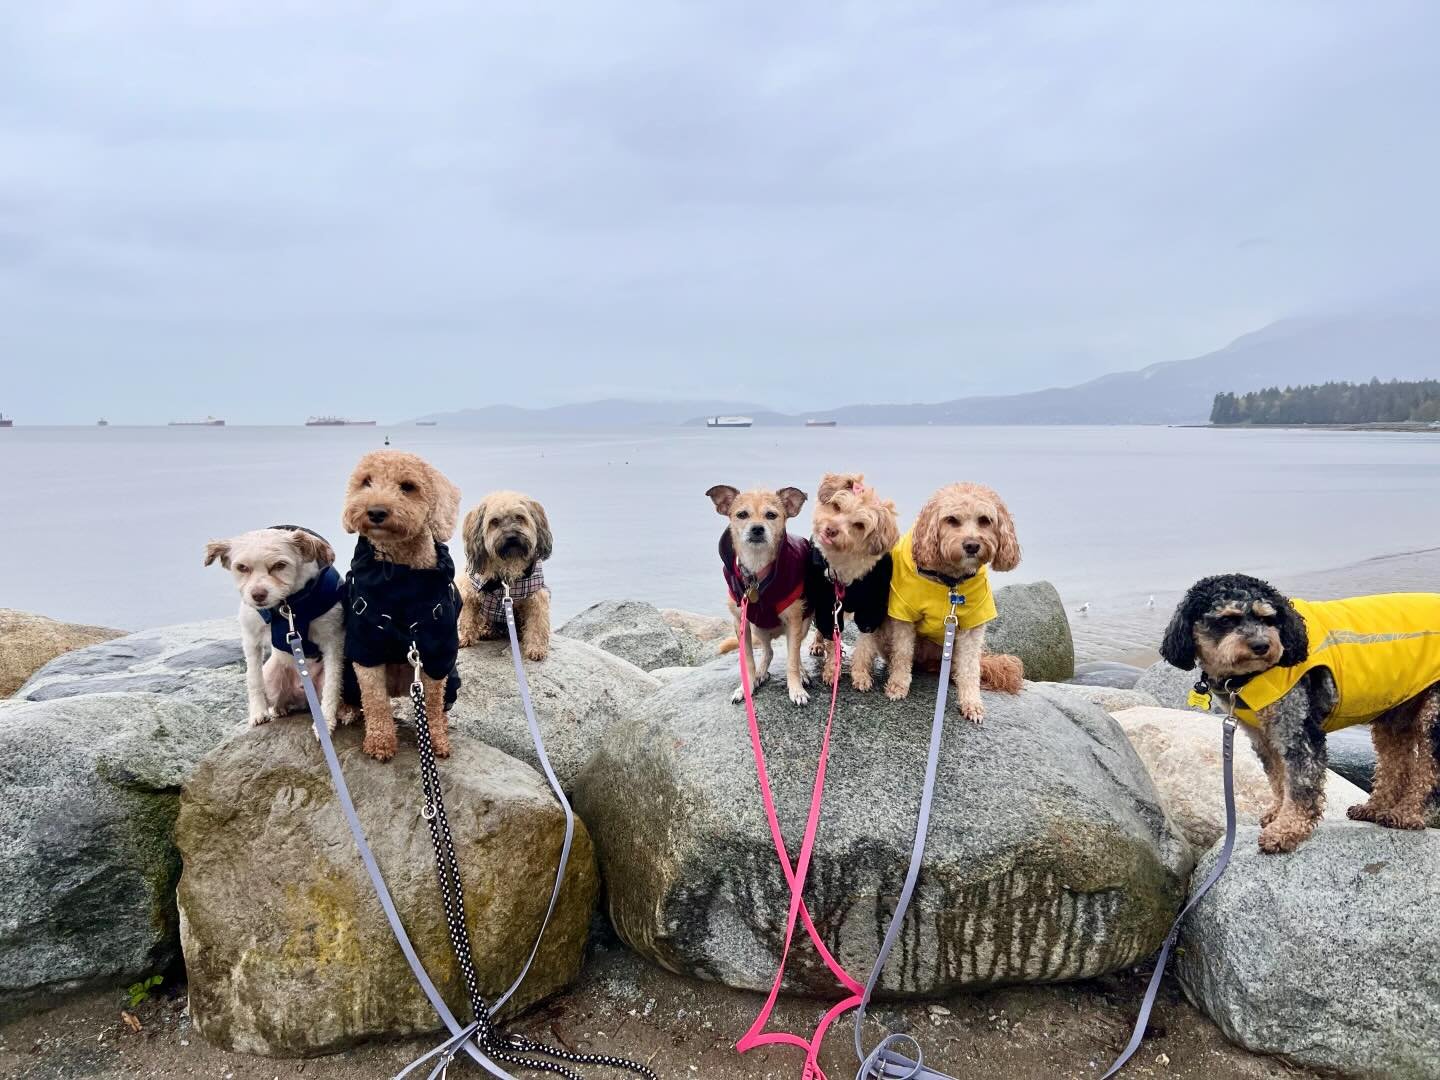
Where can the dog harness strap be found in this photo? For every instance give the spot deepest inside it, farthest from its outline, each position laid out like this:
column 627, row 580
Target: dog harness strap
column 885, row 1061
column 794, row 875
column 1152, row 991
column 372, row 869
column 491, row 592
column 308, row 604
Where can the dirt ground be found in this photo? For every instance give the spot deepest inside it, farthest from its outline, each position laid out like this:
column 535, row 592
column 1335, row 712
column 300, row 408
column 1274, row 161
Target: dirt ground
column 1064, row 1032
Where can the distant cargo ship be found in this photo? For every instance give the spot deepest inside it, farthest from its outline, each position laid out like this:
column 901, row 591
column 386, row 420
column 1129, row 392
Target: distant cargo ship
column 209, row 421
column 728, row 421
column 102, row 422
column 6, row 421
column 426, row 423
column 820, row 423
column 337, row 421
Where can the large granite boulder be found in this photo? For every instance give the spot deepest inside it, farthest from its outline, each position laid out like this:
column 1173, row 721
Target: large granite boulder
column 705, row 631
column 1183, row 751
column 286, row 947
column 579, row 692
column 29, row 642
column 632, row 630
column 1050, row 856
column 199, row 663
column 1032, row 625
column 1109, row 698
column 1329, row 956
column 87, row 866
column 1350, row 751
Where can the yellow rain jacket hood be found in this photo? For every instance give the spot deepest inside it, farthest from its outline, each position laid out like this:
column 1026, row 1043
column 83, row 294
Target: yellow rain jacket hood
column 1381, row 651
column 925, row 601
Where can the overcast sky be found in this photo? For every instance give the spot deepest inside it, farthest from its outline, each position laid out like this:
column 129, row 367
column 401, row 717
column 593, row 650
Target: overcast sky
column 263, row 210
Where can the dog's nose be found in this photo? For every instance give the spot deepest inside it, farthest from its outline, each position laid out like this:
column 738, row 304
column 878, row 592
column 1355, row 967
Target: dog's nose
column 377, row 514
column 1260, row 647
column 972, row 547
column 831, row 532
column 258, row 595
column 757, row 532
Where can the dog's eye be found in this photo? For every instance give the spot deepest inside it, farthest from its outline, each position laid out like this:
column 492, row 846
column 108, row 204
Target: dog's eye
column 858, row 526
column 771, row 515
column 743, row 515
column 953, row 521
column 984, row 521
column 365, row 482
column 1226, row 622
column 407, row 487
column 241, row 568
column 275, row 568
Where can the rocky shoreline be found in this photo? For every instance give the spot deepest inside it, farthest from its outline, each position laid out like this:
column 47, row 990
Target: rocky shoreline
column 1067, row 832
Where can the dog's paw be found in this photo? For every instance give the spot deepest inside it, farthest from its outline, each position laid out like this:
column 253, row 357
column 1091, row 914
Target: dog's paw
column 536, row 652
column 258, row 718
column 379, row 749
column 827, row 675
column 1276, row 840
column 799, row 695
column 348, row 714
column 467, row 639
column 973, row 709
column 862, row 680
column 738, row 696
column 1359, row 812
column 1397, row 819
column 897, row 689
column 440, row 741
column 817, row 647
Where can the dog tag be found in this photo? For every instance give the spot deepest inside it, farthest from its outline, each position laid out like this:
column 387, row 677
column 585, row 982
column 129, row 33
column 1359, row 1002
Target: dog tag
column 1197, row 700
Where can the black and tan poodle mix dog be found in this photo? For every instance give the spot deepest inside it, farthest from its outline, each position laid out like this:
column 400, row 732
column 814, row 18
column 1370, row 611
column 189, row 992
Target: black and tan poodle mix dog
column 507, row 540
column 1294, row 670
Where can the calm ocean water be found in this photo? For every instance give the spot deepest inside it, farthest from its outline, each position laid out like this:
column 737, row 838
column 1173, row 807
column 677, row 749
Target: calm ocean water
column 108, row 525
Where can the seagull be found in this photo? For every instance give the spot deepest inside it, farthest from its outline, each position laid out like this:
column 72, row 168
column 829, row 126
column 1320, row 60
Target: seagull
column 1150, row 603
column 1085, row 608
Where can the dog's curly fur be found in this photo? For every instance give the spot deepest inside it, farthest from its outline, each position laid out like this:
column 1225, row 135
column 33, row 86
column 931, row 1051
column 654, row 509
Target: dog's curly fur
column 1235, row 626
column 505, row 535
column 403, row 505
column 853, row 529
column 961, row 528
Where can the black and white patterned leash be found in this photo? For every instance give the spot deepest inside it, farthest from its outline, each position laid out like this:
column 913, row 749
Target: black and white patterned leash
column 515, row 1049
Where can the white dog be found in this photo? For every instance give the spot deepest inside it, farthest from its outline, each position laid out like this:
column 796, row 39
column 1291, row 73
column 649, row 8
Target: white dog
column 291, row 567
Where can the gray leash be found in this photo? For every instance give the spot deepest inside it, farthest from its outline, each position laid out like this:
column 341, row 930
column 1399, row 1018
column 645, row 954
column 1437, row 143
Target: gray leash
column 1153, row 990
column 488, row 1048
column 461, row 1038
column 885, row 1062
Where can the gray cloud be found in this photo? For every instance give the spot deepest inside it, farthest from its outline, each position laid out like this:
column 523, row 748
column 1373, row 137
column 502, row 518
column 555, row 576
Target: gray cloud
column 809, row 202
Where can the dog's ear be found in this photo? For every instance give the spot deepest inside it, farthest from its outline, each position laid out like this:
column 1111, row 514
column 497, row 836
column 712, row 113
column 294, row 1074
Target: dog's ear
column 445, row 508
column 1007, row 545
column 886, row 533
column 313, row 548
column 544, row 538
column 792, row 499
column 1177, row 647
column 925, row 535
column 832, row 482
column 218, row 549
column 1294, row 639
column 723, row 496
column 473, row 533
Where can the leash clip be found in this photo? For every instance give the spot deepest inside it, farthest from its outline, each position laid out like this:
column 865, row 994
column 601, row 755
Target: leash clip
column 284, row 609
column 953, row 619
column 413, row 656
column 506, row 598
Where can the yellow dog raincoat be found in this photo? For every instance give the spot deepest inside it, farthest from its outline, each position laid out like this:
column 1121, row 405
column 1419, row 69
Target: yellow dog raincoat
column 926, row 602
column 1382, row 651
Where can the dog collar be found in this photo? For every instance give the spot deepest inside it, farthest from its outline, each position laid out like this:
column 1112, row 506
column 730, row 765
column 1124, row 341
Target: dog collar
column 951, row 583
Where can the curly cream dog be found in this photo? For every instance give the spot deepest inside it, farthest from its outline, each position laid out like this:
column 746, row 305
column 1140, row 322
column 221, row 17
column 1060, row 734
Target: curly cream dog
column 960, row 531
column 402, row 591
column 507, row 540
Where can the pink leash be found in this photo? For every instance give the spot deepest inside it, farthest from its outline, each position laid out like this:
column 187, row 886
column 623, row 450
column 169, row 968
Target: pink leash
column 795, row 875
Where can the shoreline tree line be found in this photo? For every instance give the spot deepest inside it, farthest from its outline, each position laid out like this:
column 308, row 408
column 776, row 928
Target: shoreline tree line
column 1374, row 402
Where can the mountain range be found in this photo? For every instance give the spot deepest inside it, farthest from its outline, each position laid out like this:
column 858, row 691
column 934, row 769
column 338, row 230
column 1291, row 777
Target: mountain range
column 1290, row 352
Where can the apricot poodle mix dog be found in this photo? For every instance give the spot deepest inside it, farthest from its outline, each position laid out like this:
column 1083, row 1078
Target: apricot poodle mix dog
column 507, row 540
column 1295, row 670
column 402, row 592
column 852, row 532
column 960, row 532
